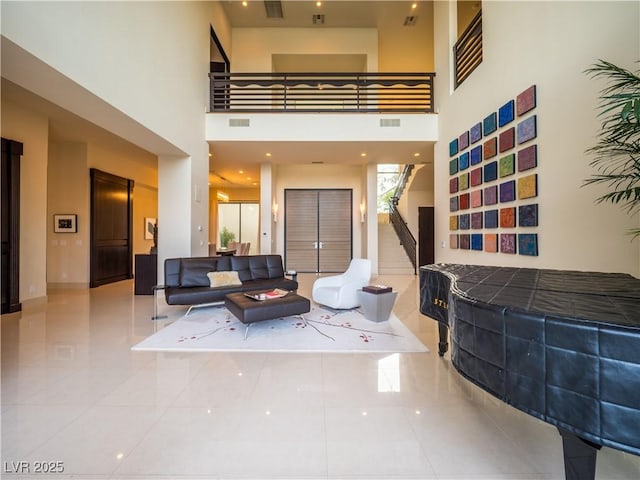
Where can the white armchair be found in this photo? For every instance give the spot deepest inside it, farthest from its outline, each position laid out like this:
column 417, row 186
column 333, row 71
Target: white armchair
column 339, row 291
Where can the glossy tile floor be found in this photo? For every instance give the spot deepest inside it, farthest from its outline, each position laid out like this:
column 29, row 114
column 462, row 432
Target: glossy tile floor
column 74, row 395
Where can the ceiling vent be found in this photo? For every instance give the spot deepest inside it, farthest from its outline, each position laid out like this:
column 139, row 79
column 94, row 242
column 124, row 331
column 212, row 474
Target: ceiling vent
column 410, row 21
column 238, row 122
column 318, row 19
column 273, row 8
column 389, row 122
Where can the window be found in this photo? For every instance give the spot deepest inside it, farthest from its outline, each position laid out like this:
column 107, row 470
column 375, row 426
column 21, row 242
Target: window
column 387, row 181
column 468, row 49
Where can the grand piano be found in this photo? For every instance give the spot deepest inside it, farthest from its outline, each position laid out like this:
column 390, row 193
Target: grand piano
column 562, row 346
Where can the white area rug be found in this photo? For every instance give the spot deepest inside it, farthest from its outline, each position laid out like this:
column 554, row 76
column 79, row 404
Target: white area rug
column 216, row 329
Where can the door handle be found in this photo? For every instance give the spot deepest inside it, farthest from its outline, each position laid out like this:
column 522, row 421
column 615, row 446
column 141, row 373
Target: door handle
column 315, row 245
column 321, row 244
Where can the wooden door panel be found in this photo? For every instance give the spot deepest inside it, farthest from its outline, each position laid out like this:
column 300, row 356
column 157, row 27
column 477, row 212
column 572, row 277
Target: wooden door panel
column 335, row 226
column 301, row 230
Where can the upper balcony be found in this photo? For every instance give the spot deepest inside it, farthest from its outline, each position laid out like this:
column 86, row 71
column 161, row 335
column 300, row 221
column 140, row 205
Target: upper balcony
column 322, row 92
column 323, row 107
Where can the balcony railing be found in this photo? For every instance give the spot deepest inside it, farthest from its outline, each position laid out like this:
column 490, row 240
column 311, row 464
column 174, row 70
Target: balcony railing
column 322, row 92
column 468, row 50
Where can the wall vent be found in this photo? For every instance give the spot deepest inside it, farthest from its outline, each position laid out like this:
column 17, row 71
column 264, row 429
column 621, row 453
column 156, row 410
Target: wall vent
column 238, row 122
column 318, row 19
column 410, row 21
column 273, row 8
column 389, row 122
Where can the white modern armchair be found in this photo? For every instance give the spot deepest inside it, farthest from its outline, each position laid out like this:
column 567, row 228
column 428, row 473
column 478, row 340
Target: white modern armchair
column 339, row 291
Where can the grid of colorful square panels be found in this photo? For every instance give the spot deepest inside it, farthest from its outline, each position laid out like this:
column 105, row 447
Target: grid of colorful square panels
column 493, row 181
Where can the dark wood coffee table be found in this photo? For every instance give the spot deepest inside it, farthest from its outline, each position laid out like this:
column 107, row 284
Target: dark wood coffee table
column 248, row 310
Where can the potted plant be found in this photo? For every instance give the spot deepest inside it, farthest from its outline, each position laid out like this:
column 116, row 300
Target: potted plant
column 616, row 156
column 226, row 236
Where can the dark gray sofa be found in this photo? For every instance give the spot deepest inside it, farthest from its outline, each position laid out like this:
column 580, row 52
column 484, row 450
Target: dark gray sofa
column 186, row 281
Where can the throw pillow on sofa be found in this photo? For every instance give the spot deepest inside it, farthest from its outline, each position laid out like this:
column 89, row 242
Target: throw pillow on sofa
column 223, row 279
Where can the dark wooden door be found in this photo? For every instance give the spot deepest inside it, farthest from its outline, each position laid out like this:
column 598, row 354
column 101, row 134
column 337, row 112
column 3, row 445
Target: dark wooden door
column 426, row 236
column 10, row 228
column 111, row 228
column 318, row 230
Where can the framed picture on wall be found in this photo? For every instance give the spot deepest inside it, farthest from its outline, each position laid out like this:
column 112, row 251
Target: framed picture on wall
column 65, row 223
column 149, row 227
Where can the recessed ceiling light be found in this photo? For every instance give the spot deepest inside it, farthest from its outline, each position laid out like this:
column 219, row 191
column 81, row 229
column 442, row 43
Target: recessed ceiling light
column 210, row 155
column 244, row 4
column 414, row 6
column 363, row 154
column 417, row 154
column 267, row 154
column 318, row 4
column 248, row 178
column 240, row 172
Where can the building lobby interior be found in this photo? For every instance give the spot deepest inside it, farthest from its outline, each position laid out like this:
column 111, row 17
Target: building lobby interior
column 124, row 88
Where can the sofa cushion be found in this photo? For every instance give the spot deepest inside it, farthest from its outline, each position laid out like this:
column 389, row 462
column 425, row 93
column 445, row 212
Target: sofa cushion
column 223, row 279
column 193, row 271
column 240, row 264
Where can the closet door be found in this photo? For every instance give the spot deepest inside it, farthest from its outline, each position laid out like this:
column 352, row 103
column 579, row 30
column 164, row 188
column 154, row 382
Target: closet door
column 335, row 227
column 301, row 230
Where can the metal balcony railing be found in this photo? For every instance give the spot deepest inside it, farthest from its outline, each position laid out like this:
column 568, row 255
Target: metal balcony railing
column 322, row 92
column 468, row 50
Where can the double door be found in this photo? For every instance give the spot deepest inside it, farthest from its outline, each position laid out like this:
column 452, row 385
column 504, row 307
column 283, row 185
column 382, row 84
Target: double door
column 318, row 230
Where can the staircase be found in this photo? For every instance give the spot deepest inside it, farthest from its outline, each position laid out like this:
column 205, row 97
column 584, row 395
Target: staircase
column 392, row 259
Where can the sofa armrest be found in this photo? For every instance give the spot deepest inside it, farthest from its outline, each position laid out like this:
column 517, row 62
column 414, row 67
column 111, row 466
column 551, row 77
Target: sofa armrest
column 293, row 274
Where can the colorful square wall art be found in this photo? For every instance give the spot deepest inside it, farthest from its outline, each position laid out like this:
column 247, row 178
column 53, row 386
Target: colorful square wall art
column 528, row 186
column 453, row 204
column 476, row 155
column 507, row 165
column 508, row 191
column 526, row 100
column 491, row 195
column 463, row 182
column 463, row 161
column 464, row 241
column 505, row 113
column 527, row 129
column 491, row 219
column 463, row 141
column 490, row 171
column 453, row 166
column 453, row 185
column 476, row 241
column 528, row 215
column 476, row 220
column 453, row 241
column 491, row 242
column 463, row 204
column 489, row 124
column 475, row 199
column 507, row 217
column 490, row 148
column 475, row 133
column 453, row 222
column 453, row 147
column 508, row 242
column 475, row 177
column 506, row 140
column 528, row 158
column 528, row 244
column 463, row 222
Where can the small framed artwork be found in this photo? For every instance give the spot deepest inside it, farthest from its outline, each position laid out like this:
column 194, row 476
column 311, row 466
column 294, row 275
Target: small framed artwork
column 476, row 241
column 475, row 177
column 528, row 158
column 476, row 220
column 453, row 147
column 149, row 227
column 475, row 133
column 526, row 100
column 528, row 186
column 490, row 148
column 489, row 124
column 490, row 171
column 453, row 241
column 527, row 129
column 508, row 243
column 491, row 195
column 528, row 215
column 507, row 217
column 453, row 204
column 65, row 223
column 491, row 242
column 465, row 241
column 528, row 244
column 463, row 141
column 475, row 199
column 506, row 140
column 453, row 222
column 491, row 219
column 453, row 166
column 507, row 165
column 476, row 155
column 463, row 222
column 453, row 185
column 463, row 162
column 505, row 113
column 508, row 191
column 463, row 183
column 464, row 201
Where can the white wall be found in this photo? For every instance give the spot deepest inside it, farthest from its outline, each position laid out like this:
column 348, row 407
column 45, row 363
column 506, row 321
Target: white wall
column 547, row 44
column 252, row 48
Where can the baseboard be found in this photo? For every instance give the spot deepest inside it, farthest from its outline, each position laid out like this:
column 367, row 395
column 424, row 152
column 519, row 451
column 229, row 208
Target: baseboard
column 34, row 302
column 62, row 286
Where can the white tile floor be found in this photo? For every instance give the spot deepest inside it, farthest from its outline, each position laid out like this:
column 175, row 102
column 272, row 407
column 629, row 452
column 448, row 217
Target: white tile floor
column 74, row 392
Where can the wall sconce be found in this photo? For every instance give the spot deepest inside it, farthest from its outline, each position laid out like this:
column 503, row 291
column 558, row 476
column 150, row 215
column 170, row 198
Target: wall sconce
column 274, row 209
column 363, row 209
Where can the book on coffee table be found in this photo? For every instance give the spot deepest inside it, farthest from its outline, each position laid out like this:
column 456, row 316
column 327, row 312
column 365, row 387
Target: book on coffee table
column 275, row 293
column 376, row 289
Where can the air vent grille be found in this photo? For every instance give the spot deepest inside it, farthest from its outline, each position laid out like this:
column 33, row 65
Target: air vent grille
column 238, row 122
column 410, row 21
column 389, row 122
column 318, row 19
column 273, row 8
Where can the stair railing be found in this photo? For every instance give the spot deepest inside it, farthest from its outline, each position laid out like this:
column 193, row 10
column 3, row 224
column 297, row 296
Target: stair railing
column 407, row 240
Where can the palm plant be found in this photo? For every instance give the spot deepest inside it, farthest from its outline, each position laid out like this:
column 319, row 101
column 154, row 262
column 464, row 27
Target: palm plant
column 616, row 156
